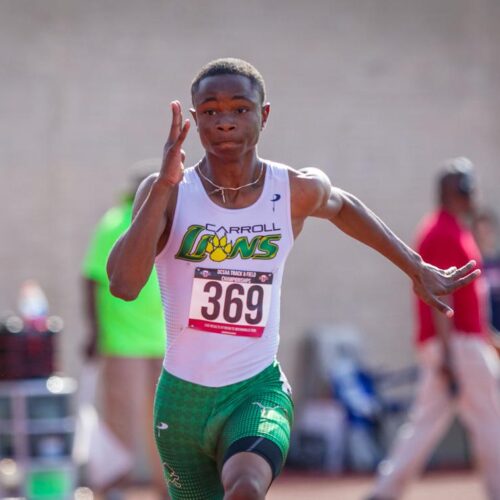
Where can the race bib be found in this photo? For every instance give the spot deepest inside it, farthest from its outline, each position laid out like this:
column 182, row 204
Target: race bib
column 231, row 302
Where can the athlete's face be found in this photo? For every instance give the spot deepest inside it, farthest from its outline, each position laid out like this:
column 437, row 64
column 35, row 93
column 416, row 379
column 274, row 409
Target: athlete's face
column 229, row 115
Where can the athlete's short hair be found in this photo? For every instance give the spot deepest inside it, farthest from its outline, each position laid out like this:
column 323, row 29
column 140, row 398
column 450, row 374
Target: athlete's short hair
column 230, row 66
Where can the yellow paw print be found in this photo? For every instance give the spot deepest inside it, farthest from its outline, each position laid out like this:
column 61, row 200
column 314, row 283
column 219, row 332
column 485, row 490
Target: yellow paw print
column 219, row 248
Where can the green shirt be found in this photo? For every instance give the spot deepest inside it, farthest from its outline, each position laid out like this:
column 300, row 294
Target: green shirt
column 129, row 329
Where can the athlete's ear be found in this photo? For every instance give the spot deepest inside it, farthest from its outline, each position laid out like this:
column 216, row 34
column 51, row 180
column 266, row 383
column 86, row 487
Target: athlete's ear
column 193, row 114
column 266, row 109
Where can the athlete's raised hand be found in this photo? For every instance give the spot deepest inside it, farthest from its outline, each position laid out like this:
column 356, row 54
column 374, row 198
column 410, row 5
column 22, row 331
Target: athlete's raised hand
column 172, row 167
column 433, row 282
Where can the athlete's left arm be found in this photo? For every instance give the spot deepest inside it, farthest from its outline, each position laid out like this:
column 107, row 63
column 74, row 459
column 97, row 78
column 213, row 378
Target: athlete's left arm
column 317, row 197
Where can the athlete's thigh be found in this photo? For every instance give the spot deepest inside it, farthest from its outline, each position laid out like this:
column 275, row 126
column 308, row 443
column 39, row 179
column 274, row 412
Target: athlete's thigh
column 179, row 420
column 261, row 424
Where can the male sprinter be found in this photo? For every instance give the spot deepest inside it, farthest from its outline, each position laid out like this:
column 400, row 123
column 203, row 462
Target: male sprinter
column 220, row 232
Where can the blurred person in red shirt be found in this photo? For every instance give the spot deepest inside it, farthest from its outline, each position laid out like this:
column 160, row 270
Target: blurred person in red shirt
column 486, row 234
column 459, row 368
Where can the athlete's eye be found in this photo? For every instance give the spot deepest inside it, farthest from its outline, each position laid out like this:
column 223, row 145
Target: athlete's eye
column 242, row 110
column 209, row 112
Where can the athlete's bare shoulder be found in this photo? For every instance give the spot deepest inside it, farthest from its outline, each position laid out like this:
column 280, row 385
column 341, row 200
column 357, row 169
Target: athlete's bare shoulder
column 309, row 189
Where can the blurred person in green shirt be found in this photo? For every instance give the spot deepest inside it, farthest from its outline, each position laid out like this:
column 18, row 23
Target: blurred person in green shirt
column 128, row 339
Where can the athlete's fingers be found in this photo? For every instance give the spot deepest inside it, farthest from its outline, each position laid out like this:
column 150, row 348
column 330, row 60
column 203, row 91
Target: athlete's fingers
column 465, row 269
column 441, row 306
column 459, row 283
column 450, row 270
column 432, row 299
column 176, row 123
column 181, row 120
column 183, row 133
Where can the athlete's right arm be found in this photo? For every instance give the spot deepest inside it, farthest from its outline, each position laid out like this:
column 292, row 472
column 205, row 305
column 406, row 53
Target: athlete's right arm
column 132, row 258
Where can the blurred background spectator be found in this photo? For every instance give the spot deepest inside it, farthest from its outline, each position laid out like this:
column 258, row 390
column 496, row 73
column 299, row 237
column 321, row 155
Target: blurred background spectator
column 455, row 355
column 128, row 338
column 487, row 237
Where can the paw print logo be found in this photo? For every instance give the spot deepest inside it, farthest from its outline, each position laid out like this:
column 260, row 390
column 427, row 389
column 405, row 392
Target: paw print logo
column 218, row 248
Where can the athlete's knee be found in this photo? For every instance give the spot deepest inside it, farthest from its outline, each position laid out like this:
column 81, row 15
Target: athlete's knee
column 245, row 487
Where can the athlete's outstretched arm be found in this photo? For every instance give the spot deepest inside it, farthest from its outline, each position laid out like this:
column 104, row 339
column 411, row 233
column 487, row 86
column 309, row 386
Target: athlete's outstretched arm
column 132, row 258
column 318, row 198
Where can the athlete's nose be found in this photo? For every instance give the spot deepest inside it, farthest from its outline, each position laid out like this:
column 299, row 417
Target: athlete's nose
column 225, row 123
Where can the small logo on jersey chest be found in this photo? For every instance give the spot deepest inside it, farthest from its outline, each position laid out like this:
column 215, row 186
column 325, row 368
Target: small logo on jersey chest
column 276, row 197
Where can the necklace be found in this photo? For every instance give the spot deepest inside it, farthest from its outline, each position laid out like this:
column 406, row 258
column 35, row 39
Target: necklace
column 223, row 188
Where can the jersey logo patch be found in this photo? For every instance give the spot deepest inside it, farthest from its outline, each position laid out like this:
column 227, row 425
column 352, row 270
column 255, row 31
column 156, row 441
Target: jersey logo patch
column 199, row 243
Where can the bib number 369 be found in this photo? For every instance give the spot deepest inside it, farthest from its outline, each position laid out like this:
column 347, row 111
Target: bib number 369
column 231, row 302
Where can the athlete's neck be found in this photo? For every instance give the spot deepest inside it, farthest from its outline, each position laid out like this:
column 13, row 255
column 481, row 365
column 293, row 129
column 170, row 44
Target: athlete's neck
column 231, row 173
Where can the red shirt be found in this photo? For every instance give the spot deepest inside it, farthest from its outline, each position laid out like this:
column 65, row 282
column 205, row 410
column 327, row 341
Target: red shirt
column 444, row 242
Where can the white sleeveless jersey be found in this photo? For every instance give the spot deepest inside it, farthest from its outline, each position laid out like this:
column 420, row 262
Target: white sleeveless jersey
column 220, row 276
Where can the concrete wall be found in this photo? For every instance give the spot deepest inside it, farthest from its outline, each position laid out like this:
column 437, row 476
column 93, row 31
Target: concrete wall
column 374, row 92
